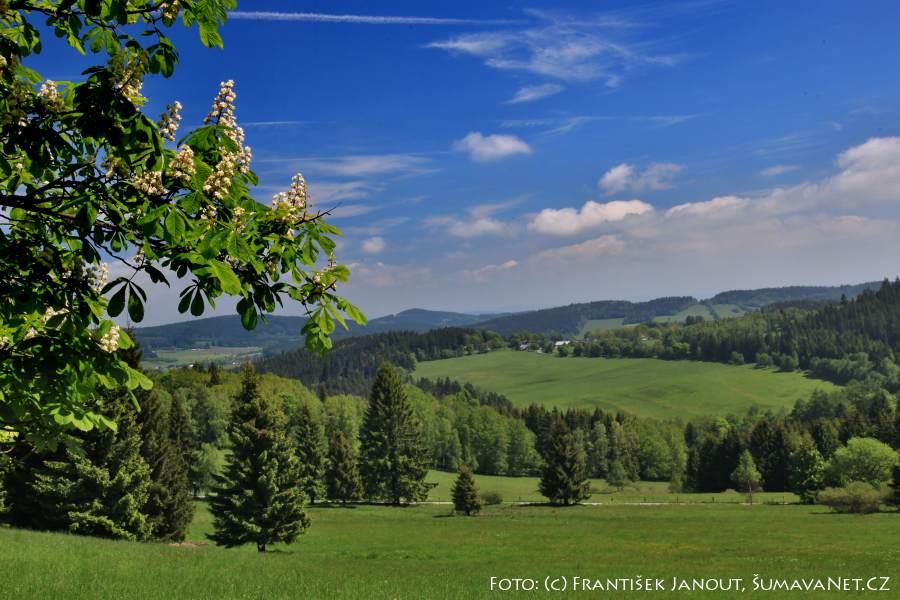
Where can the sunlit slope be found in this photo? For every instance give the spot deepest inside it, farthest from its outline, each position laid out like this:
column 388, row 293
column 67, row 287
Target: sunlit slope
column 645, row 387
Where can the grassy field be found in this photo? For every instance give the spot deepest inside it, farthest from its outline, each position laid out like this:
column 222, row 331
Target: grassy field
column 525, row 489
column 372, row 552
column 167, row 359
column 645, row 387
column 594, row 325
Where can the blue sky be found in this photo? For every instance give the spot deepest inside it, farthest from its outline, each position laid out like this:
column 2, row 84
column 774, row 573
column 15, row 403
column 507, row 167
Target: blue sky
column 489, row 156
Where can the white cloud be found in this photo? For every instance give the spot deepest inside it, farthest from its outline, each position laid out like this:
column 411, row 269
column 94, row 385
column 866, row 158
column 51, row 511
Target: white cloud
column 373, row 245
column 570, row 221
column 708, row 207
column 658, row 176
column 361, row 19
column 561, row 47
column 871, row 169
column 603, row 245
column 777, row 170
column 469, row 227
column 531, row 93
column 325, row 192
column 346, row 211
column 367, row 165
column 486, row 271
column 483, row 148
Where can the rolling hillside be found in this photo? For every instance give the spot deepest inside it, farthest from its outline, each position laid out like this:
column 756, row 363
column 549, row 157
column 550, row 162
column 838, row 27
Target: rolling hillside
column 644, row 387
column 279, row 334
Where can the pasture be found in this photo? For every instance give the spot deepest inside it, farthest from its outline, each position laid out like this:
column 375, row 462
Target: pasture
column 642, row 386
column 372, row 552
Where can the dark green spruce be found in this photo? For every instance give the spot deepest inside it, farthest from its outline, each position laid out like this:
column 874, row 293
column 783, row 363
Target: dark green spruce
column 564, row 479
column 342, row 475
column 258, row 500
column 309, row 436
column 169, row 508
column 465, row 494
column 394, row 458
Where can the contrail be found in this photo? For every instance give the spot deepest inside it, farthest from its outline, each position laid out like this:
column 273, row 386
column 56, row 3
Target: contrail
column 364, row 19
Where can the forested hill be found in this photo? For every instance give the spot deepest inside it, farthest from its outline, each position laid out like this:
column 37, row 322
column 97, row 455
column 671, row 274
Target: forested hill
column 568, row 320
column 765, row 296
column 350, row 366
column 856, row 339
column 279, row 333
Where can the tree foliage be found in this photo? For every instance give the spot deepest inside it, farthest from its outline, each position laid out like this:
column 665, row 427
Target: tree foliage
column 342, row 475
column 465, row 494
column 746, row 476
column 86, row 176
column 564, row 478
column 310, row 443
column 394, row 459
column 258, row 498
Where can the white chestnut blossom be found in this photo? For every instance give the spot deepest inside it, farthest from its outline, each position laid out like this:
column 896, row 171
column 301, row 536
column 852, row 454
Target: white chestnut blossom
column 170, row 120
column 5, row 342
column 293, row 203
column 49, row 95
column 170, row 9
column 218, row 184
column 209, row 214
column 110, row 341
column 150, row 182
column 182, row 167
column 97, row 276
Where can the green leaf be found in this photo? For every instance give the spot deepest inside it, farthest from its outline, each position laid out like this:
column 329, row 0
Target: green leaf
column 197, row 304
column 117, row 302
column 229, row 281
column 175, row 224
column 135, row 308
column 247, row 310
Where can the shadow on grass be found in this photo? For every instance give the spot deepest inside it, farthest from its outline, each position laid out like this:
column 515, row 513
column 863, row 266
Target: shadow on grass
column 333, row 505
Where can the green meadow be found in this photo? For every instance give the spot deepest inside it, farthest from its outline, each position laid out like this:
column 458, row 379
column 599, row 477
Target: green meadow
column 181, row 357
column 372, row 552
column 525, row 489
column 642, row 386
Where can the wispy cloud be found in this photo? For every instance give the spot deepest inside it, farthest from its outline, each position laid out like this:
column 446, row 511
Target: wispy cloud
column 482, row 274
column 562, row 47
column 274, row 123
column 368, row 165
column 532, row 93
column 776, row 170
column 364, row 19
column 561, row 125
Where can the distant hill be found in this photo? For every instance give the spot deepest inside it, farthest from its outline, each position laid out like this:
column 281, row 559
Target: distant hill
column 573, row 320
column 568, row 320
column 280, row 333
column 765, row 296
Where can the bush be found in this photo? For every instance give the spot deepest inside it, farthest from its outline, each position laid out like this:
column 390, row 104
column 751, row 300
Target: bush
column 855, row 497
column 492, row 498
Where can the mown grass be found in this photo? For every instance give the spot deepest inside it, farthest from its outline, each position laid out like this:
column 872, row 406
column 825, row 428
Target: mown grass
column 645, row 387
column 372, row 552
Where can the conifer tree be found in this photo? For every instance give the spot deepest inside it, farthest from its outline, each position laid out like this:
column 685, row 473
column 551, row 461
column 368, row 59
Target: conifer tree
column 746, row 476
column 465, row 495
column 101, row 490
column 564, row 479
column 258, row 499
column 169, row 506
column 394, row 460
column 309, row 434
column 342, row 476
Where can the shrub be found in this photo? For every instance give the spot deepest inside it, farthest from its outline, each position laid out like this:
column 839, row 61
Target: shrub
column 855, row 497
column 492, row 498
